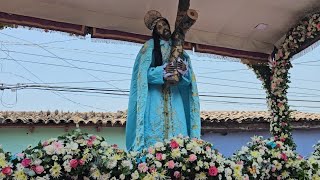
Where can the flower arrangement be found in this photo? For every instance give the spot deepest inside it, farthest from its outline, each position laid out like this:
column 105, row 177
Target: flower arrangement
column 270, row 159
column 181, row 158
column 74, row 156
column 5, row 166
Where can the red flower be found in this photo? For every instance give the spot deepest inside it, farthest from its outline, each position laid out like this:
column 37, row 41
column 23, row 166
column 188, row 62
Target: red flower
column 282, row 139
column 73, row 163
column 284, row 157
column 318, row 27
column 81, row 162
column 174, row 144
column 89, row 142
column 213, row 171
column 26, row 162
column 7, row 170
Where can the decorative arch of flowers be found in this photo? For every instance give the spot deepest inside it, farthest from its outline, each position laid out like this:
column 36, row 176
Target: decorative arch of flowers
column 275, row 76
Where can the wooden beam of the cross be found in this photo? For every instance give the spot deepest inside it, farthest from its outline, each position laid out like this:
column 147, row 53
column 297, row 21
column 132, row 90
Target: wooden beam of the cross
column 183, row 7
column 185, row 19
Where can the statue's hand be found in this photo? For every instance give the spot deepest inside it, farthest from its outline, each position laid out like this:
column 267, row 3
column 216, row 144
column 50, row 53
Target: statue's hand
column 170, row 68
column 182, row 66
column 169, row 71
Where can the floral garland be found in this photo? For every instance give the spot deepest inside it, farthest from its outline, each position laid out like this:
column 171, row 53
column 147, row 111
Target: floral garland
column 305, row 32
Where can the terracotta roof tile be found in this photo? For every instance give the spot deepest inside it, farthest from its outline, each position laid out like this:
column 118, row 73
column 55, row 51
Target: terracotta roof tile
column 119, row 118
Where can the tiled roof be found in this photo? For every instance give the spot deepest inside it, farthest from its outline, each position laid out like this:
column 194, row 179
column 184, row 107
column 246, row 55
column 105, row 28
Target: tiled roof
column 119, row 118
column 57, row 117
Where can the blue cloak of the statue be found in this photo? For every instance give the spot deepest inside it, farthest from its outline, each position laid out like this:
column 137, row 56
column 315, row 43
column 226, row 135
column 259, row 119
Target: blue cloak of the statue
column 151, row 118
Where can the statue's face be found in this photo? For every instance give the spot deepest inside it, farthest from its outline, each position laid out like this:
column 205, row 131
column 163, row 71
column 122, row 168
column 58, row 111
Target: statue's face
column 163, row 29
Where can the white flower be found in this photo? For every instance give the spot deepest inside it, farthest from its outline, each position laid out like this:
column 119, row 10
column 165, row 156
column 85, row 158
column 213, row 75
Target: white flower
column 104, row 144
column 135, row 175
column 158, row 164
column 54, row 157
column 158, row 145
column 122, row 176
column 228, row 172
column 104, row 176
column 127, row 163
column 72, row 145
column 66, row 166
column 111, row 164
column 37, row 162
column 49, row 149
column 164, row 156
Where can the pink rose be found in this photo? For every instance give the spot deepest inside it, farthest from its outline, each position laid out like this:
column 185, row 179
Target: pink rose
column 7, row 170
column 26, row 162
column 318, row 27
column 284, row 157
column 176, row 174
column 89, row 142
column 81, row 162
column 273, row 169
column 192, row 157
column 170, row 164
column 174, row 144
column 282, row 139
column 159, row 156
column 73, row 163
column 38, row 169
column 142, row 167
column 152, row 169
column 213, row 171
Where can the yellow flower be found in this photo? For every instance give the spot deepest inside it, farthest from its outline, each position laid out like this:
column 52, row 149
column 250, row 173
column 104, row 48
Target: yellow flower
column 255, row 154
column 19, row 175
column 237, row 167
column 96, row 174
column 116, row 157
column 55, row 170
column 175, row 153
column 201, row 176
column 3, row 163
column 315, row 177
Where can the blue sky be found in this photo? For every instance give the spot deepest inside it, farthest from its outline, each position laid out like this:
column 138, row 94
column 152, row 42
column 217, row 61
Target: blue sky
column 113, row 61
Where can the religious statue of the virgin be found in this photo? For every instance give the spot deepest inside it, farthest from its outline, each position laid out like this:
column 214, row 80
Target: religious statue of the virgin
column 164, row 99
